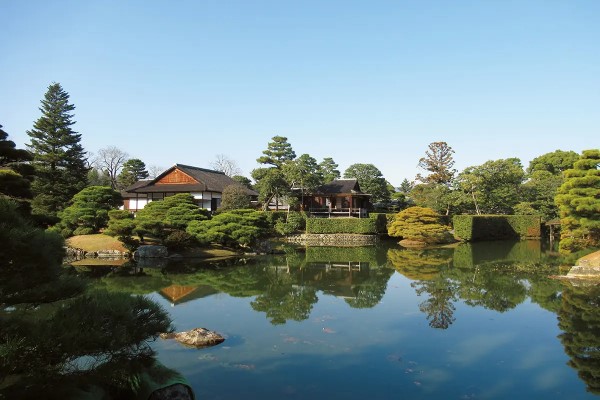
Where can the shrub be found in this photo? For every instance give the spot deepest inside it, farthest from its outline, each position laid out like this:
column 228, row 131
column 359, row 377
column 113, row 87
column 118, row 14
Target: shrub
column 89, row 211
column 420, row 224
column 234, row 228
column 295, row 221
column 179, row 240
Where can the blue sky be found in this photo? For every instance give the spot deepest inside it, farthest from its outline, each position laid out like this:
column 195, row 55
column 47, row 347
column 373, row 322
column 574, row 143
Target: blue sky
column 360, row 81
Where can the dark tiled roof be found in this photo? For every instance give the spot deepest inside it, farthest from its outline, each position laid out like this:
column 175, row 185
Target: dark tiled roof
column 340, row 186
column 209, row 181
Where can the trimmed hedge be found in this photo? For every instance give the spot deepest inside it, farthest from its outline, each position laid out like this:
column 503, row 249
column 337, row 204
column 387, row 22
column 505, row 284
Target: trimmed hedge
column 363, row 226
column 489, row 227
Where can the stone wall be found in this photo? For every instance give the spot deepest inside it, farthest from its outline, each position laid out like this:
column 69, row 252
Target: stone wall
column 338, row 239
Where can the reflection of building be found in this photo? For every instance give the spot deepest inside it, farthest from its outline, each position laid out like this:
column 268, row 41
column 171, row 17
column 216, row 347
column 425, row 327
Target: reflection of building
column 177, row 294
column 205, row 185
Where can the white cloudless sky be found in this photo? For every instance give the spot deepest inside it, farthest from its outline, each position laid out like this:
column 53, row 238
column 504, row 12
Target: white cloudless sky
column 361, row 82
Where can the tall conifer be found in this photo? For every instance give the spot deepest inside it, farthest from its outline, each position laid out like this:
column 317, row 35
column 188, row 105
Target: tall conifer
column 58, row 157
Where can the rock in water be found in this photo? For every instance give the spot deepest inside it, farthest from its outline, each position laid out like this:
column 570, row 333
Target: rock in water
column 197, row 337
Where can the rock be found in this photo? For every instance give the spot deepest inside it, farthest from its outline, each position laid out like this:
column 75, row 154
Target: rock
column 197, row 337
column 581, row 271
column 150, row 251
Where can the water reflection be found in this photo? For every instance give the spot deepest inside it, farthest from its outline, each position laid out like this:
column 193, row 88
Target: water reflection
column 580, row 322
column 495, row 276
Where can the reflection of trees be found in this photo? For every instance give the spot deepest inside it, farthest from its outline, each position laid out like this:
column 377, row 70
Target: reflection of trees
column 369, row 292
column 423, row 264
column 428, row 268
column 285, row 298
column 580, row 322
column 96, row 339
column 486, row 287
column 439, row 307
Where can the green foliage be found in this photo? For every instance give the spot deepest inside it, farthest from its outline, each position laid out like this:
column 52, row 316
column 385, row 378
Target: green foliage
column 15, row 173
column 294, row 222
column 242, row 180
column 556, row 162
column 578, row 200
column 495, row 186
column 270, row 184
column 371, row 181
column 278, row 152
column 234, row 197
column 420, row 224
column 88, row 212
column 363, row 226
column 383, row 221
column 489, row 227
column 303, row 173
column 107, row 330
column 329, row 170
column 26, row 251
column 179, row 240
column 58, row 157
column 133, row 170
column 234, row 228
column 538, row 195
column 159, row 218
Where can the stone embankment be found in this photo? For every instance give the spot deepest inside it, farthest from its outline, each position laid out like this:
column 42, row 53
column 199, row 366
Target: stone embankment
column 338, row 239
column 80, row 254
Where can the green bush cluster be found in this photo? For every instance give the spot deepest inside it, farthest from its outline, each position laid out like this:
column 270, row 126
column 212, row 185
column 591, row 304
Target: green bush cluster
column 234, row 228
column 420, row 224
column 295, row 221
column 363, row 226
column 489, row 227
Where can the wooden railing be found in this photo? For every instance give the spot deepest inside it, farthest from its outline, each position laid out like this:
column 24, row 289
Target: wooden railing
column 338, row 212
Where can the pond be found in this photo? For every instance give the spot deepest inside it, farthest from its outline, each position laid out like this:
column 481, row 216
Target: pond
column 478, row 321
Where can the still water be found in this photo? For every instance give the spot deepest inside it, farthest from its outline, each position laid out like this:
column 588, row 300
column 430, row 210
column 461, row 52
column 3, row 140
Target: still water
column 479, row 321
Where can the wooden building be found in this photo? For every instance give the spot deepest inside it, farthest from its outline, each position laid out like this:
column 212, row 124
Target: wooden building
column 339, row 198
column 205, row 185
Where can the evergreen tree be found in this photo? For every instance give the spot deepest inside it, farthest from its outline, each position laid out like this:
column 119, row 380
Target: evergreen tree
column 406, row 186
column 278, row 152
column 270, row 181
column 16, row 173
column 578, row 201
column 329, row 170
column 133, row 170
column 58, row 157
column 371, row 180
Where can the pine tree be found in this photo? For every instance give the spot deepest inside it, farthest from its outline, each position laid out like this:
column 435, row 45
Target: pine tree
column 578, row 201
column 16, row 173
column 329, row 170
column 58, row 157
column 133, row 171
